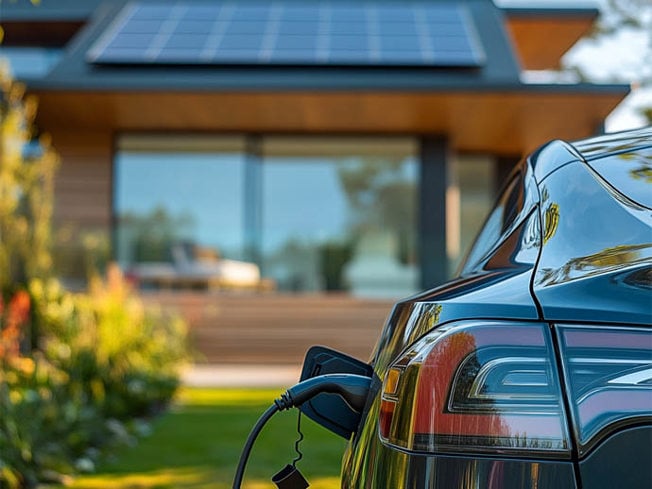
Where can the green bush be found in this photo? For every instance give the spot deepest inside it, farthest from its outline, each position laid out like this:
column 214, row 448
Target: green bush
column 106, row 364
column 125, row 356
column 45, row 433
column 77, row 371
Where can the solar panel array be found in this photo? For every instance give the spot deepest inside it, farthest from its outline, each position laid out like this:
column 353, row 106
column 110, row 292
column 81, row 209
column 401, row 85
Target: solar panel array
column 291, row 33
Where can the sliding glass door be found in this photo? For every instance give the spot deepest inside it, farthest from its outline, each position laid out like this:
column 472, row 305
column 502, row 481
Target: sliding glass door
column 340, row 214
column 315, row 214
column 178, row 190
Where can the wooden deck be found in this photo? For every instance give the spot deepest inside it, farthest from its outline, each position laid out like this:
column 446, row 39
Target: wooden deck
column 273, row 328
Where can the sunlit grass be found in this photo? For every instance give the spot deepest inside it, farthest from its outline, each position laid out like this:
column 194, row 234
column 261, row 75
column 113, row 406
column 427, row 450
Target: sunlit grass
column 226, row 397
column 196, row 445
column 191, row 478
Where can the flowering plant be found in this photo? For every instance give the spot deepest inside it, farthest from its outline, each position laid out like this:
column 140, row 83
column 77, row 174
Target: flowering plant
column 13, row 321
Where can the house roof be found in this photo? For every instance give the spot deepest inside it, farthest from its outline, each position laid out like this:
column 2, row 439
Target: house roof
column 499, row 122
column 485, row 107
column 74, row 71
column 541, row 35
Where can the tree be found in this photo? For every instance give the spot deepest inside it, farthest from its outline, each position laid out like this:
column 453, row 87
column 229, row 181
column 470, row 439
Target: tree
column 383, row 196
column 27, row 166
column 623, row 36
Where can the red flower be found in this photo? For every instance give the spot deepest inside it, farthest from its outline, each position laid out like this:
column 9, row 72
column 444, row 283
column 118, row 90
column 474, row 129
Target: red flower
column 17, row 315
column 18, row 308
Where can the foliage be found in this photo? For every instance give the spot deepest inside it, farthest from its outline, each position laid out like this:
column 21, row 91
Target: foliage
column 44, row 433
column 381, row 191
column 106, row 361
column 150, row 236
column 624, row 26
column 27, row 167
column 333, row 258
column 125, row 356
column 383, row 195
column 102, row 361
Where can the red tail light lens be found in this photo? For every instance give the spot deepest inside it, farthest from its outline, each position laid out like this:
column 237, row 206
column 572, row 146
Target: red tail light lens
column 483, row 387
column 609, row 377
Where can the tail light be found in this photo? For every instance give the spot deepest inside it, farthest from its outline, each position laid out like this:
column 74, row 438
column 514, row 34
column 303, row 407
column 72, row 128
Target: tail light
column 477, row 387
column 609, row 377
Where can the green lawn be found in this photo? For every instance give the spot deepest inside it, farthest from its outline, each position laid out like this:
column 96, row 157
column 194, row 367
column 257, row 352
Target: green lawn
column 198, row 442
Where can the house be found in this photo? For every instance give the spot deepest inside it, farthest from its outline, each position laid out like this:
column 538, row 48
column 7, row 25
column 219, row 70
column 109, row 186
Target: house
column 352, row 146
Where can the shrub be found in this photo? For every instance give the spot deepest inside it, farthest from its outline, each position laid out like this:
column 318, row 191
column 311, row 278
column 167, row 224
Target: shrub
column 45, row 433
column 27, row 167
column 105, row 362
column 101, row 360
column 125, row 356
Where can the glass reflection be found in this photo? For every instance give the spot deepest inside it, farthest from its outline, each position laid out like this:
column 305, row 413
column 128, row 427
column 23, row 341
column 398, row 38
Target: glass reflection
column 313, row 214
column 339, row 215
column 178, row 196
column 609, row 259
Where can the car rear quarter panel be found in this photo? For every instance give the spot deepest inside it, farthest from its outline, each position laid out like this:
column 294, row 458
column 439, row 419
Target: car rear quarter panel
column 596, row 255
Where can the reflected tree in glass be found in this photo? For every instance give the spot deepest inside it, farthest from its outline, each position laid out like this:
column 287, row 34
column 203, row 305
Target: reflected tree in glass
column 383, row 197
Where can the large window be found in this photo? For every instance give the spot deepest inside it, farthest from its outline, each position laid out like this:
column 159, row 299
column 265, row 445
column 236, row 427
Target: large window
column 178, row 190
column 315, row 214
column 340, row 214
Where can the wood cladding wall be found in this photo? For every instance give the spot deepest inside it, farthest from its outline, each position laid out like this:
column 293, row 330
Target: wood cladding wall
column 83, row 182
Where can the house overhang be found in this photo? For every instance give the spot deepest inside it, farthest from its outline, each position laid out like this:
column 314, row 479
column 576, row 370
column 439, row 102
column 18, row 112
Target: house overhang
column 509, row 122
column 542, row 36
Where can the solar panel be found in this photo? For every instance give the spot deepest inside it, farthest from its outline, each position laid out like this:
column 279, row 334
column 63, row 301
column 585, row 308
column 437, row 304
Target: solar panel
column 417, row 33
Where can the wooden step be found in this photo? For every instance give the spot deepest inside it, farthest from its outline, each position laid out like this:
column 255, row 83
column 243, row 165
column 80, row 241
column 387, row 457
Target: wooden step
column 273, row 328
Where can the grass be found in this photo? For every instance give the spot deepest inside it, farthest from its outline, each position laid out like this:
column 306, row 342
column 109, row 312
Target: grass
column 197, row 444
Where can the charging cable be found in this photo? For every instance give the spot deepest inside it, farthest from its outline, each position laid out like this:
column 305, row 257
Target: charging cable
column 352, row 388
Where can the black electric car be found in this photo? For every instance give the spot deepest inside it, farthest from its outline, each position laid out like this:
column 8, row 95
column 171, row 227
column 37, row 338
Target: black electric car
column 532, row 369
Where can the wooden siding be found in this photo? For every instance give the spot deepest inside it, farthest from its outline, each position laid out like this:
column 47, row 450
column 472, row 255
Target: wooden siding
column 83, row 182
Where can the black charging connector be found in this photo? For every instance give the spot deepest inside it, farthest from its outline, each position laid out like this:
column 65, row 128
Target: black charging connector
column 352, row 388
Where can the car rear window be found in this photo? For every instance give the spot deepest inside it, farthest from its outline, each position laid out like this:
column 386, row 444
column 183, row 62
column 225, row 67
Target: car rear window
column 500, row 219
column 629, row 173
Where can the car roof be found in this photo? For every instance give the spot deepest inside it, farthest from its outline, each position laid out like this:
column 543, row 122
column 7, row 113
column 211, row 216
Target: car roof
column 614, row 143
column 624, row 161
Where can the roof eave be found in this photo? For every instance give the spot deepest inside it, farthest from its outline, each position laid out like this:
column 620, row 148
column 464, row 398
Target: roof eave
column 542, row 36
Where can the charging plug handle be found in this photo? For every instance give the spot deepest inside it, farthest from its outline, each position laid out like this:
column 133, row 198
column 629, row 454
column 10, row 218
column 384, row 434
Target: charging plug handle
column 352, row 388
